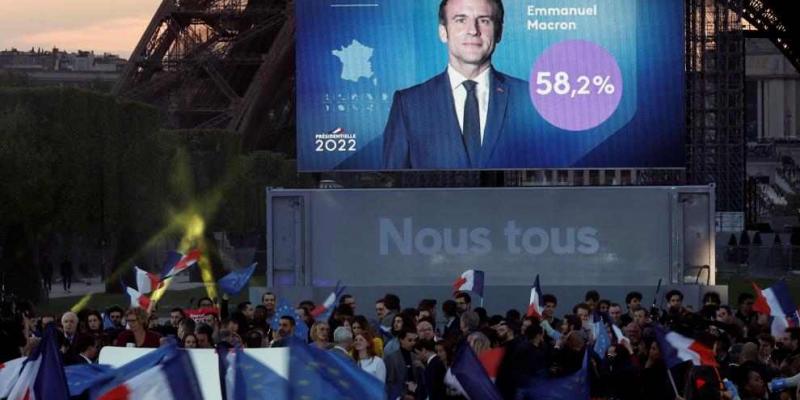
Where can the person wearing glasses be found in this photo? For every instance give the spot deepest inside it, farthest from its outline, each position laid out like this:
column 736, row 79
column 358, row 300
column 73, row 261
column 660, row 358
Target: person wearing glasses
column 137, row 334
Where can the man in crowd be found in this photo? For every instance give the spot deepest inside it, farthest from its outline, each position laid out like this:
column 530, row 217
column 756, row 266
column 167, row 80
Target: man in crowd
column 633, row 301
column 432, row 386
column 400, row 366
column 268, row 300
column 342, row 343
column 425, row 329
column 286, row 327
column 463, row 302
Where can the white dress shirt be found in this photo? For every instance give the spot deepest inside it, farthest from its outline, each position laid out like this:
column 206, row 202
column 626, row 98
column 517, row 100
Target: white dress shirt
column 460, row 95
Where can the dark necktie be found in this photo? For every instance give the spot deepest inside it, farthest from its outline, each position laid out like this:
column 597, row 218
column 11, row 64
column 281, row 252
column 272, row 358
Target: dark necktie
column 472, row 125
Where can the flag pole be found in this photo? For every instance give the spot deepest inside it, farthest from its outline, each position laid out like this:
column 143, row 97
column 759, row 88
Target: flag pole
column 672, row 382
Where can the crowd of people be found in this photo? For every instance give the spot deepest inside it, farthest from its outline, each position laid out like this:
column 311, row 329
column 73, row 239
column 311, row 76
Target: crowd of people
column 412, row 349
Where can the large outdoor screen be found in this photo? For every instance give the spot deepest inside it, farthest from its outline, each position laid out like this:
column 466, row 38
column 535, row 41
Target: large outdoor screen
column 388, row 85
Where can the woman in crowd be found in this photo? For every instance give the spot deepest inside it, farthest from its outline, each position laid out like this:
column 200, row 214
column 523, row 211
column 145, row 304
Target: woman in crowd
column 367, row 359
column 398, row 323
column 320, row 334
column 190, row 341
column 360, row 324
column 137, row 335
column 94, row 326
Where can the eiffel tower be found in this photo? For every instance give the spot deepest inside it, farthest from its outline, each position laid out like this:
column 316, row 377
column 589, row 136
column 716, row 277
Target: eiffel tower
column 225, row 64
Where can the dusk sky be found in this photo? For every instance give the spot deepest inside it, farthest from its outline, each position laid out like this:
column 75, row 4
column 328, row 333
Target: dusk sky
column 101, row 25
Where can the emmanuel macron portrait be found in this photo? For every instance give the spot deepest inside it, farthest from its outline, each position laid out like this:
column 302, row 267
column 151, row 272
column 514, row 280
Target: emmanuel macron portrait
column 470, row 116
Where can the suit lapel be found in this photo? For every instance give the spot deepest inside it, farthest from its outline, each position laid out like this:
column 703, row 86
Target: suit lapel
column 498, row 100
column 452, row 131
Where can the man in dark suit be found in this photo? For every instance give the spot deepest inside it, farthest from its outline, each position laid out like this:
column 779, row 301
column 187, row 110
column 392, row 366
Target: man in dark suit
column 432, row 387
column 471, row 115
column 401, row 368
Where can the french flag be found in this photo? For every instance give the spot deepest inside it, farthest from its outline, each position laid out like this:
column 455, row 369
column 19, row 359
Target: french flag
column 472, row 376
column 535, row 304
column 165, row 374
column 42, row 374
column 146, row 282
column 776, row 302
column 138, row 300
column 9, row 372
column 676, row 348
column 330, row 302
column 470, row 281
column 178, row 262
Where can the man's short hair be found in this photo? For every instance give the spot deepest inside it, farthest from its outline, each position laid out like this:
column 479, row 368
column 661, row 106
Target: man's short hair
column 592, row 295
column 427, row 304
column 549, row 298
column 344, row 298
column 673, row 292
column 425, row 344
column 205, row 329
column 112, row 309
column 83, row 342
column 243, row 305
column 713, row 296
column 497, row 16
column 465, row 296
column 290, row 319
column 342, row 335
column 581, row 306
column 178, row 310
column 405, row 332
column 632, row 295
column 391, row 301
column 745, row 297
column 188, row 325
column 449, row 308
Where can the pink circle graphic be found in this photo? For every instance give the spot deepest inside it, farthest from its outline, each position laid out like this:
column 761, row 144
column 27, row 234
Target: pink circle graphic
column 576, row 85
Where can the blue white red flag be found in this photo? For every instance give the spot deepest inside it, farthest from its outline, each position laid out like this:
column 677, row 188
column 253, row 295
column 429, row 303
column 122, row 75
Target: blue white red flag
column 323, row 311
column 164, row 374
column 178, row 262
column 146, row 282
column 535, row 303
column 776, row 301
column 472, row 376
column 235, row 281
column 676, row 348
column 9, row 372
column 42, row 375
column 470, row 281
column 137, row 300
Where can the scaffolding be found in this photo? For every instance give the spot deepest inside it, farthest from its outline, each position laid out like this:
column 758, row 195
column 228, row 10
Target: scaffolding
column 715, row 146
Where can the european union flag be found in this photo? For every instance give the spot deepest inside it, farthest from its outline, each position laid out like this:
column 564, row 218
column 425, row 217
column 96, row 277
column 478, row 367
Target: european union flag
column 286, row 309
column 234, row 282
column 315, row 374
column 572, row 387
column 602, row 341
column 254, row 380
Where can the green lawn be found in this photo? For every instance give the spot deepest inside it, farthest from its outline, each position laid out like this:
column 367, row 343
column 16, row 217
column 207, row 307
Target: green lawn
column 100, row 301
